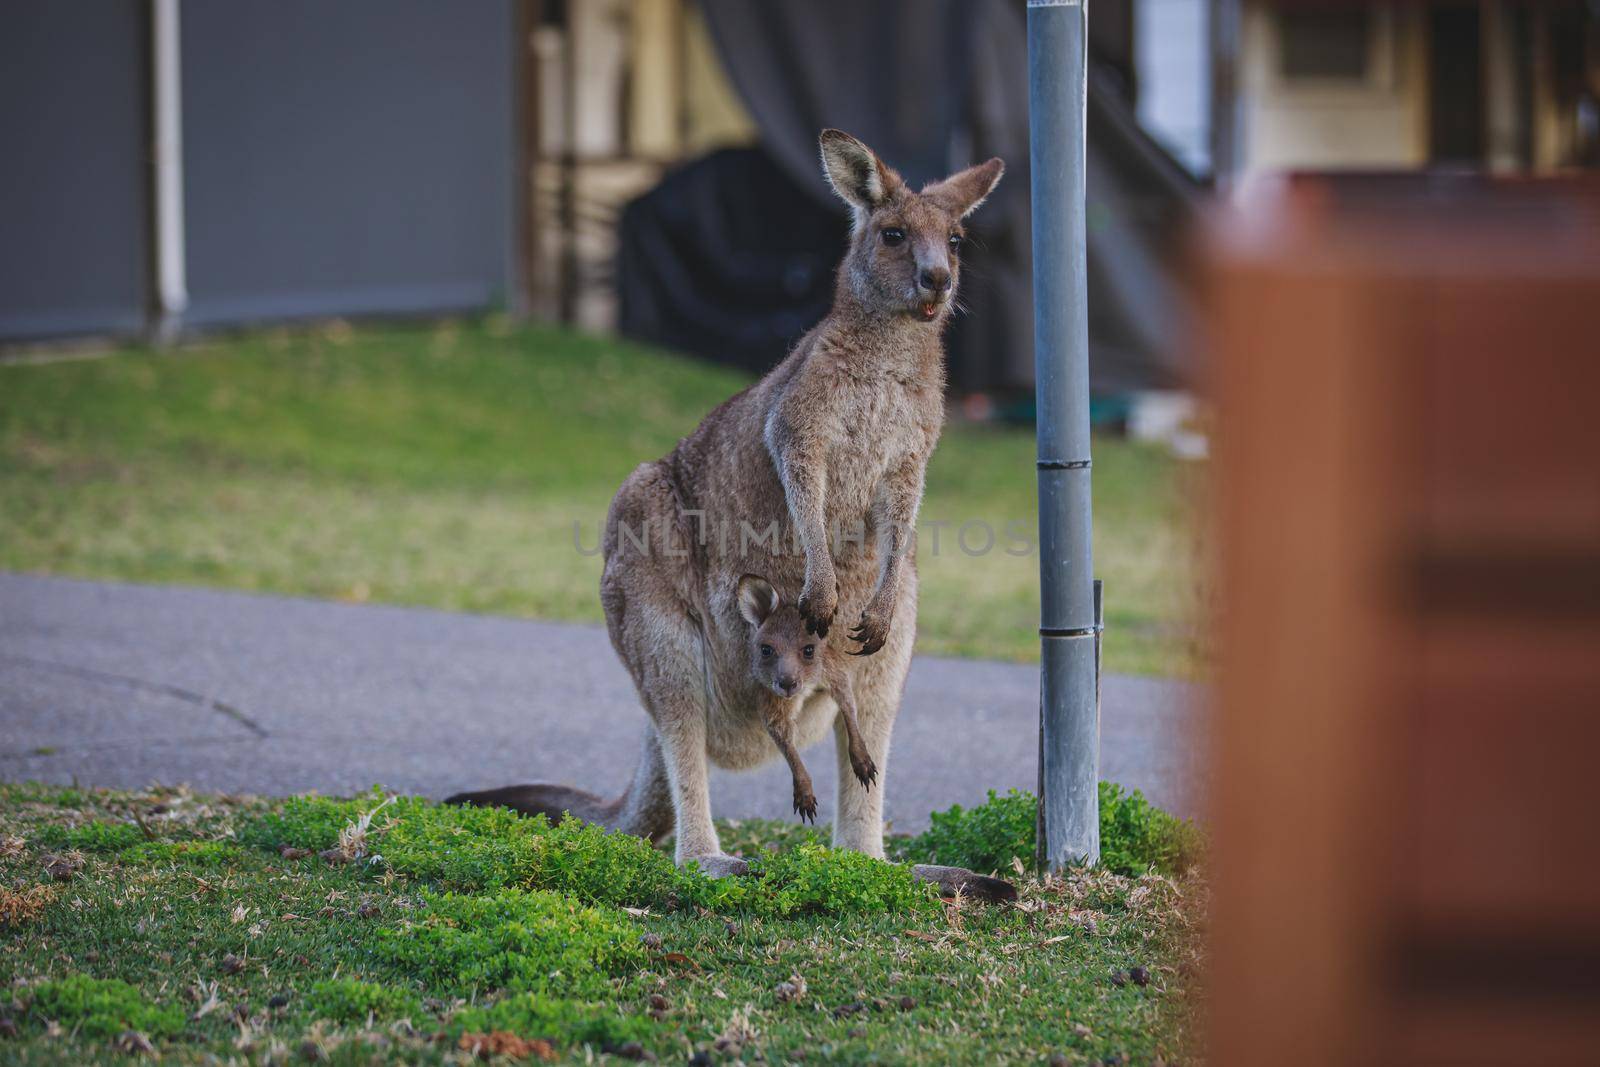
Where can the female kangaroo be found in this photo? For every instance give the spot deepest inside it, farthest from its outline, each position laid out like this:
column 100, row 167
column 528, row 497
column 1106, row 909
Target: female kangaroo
column 811, row 478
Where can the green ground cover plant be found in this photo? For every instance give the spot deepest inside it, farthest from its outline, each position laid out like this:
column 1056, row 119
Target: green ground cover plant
column 347, row 1000
column 100, row 1008
column 214, row 854
column 1135, row 835
column 530, row 1015
column 95, row 836
column 486, row 849
column 270, row 951
column 446, row 466
column 511, row 940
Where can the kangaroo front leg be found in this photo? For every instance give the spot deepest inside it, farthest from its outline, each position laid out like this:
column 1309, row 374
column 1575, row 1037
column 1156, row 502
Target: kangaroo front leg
column 894, row 521
column 805, row 486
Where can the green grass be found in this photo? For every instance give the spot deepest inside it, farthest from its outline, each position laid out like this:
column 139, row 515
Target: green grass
column 446, row 466
column 1135, row 835
column 272, row 952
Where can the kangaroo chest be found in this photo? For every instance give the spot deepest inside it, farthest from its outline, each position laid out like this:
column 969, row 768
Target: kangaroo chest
column 877, row 432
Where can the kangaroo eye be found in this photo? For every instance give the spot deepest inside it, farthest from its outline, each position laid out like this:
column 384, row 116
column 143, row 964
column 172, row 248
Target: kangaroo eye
column 955, row 240
column 809, row 650
column 766, row 651
column 893, row 235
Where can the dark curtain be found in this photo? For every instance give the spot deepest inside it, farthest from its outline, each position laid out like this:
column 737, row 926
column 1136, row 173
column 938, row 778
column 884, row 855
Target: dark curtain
column 728, row 258
column 732, row 256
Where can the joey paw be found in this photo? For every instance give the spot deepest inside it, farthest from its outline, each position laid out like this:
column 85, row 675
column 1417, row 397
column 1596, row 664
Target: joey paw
column 805, row 804
column 866, row 771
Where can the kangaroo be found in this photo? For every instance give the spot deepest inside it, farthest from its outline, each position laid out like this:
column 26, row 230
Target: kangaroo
column 811, row 477
column 791, row 664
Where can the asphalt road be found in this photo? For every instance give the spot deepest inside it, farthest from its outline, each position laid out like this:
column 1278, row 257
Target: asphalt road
column 123, row 685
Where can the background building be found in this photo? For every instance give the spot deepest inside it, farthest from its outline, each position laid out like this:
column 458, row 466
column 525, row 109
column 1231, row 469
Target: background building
column 201, row 165
column 1493, row 85
column 649, row 165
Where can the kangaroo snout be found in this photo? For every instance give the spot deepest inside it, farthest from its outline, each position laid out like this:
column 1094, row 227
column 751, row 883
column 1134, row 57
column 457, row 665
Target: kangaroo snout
column 787, row 683
column 934, row 281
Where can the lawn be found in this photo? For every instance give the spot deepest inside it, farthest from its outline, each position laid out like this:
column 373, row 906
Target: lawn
column 458, row 466
column 381, row 930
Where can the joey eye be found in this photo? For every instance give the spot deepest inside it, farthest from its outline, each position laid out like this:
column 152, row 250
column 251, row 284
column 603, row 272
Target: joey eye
column 766, row 651
column 955, row 240
column 893, row 235
column 809, row 651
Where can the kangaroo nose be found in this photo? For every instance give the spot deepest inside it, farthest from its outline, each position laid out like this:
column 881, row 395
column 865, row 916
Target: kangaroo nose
column 787, row 684
column 935, row 279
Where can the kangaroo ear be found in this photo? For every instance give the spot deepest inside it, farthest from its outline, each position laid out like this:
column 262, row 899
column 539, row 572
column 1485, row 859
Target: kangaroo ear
column 859, row 177
column 757, row 599
column 962, row 192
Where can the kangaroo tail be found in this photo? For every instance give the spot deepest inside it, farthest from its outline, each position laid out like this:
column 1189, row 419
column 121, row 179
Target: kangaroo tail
column 952, row 881
column 540, row 798
column 644, row 809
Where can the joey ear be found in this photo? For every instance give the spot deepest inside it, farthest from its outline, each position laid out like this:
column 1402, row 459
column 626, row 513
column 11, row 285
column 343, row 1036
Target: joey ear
column 859, row 177
column 757, row 599
column 962, row 192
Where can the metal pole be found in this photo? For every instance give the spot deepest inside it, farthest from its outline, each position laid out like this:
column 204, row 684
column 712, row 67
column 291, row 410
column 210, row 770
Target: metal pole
column 172, row 282
column 1058, row 33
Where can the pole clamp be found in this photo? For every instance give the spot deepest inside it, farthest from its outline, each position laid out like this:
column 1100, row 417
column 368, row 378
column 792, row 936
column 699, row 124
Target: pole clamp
column 1071, row 631
column 1063, row 464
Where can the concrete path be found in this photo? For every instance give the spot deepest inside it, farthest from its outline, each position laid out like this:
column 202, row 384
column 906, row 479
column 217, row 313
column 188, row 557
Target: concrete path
column 124, row 685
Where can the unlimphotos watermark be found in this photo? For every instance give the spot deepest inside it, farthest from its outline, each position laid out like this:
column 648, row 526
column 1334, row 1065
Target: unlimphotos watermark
column 692, row 529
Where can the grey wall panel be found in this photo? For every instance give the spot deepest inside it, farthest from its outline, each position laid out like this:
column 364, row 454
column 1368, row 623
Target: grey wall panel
column 73, row 234
column 346, row 158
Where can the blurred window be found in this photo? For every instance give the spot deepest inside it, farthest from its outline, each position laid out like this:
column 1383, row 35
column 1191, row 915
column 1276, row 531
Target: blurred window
column 1324, row 45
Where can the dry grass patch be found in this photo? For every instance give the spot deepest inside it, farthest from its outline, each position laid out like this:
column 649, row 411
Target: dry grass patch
column 19, row 907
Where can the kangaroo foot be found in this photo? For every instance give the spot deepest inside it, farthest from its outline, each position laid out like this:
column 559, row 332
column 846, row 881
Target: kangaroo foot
column 805, row 803
column 717, row 864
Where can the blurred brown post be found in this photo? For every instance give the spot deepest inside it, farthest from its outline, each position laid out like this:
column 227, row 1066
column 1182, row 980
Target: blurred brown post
column 1407, row 720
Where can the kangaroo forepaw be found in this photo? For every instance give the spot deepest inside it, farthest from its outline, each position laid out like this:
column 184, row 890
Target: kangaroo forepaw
column 871, row 632
column 817, row 608
column 805, row 805
column 817, row 622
